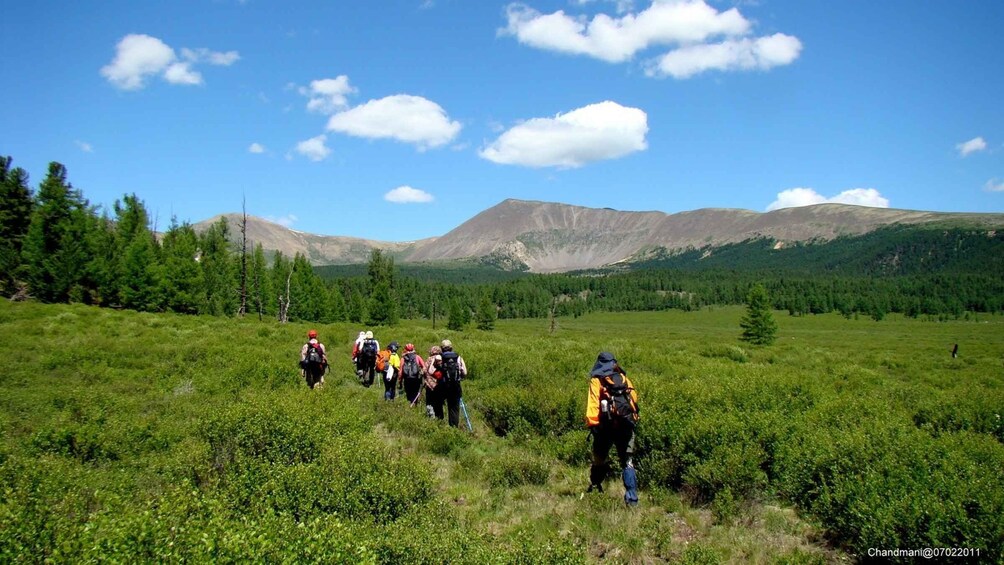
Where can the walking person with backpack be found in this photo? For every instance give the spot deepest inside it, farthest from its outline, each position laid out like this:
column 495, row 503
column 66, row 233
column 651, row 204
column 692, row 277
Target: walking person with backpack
column 451, row 369
column 412, row 370
column 391, row 366
column 366, row 359
column 313, row 360
column 611, row 416
column 431, row 380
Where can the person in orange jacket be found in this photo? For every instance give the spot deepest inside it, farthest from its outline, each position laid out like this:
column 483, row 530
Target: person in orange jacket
column 611, row 416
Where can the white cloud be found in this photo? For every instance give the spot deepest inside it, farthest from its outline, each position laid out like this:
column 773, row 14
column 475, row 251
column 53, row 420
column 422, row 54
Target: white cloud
column 203, row 55
column 972, row 146
column 286, row 221
column 407, row 195
column 411, row 119
column 182, row 73
column 994, row 185
column 596, row 132
column 256, row 148
column 735, row 54
column 84, row 146
column 795, row 197
column 139, row 57
column 328, row 95
column 314, row 148
column 703, row 37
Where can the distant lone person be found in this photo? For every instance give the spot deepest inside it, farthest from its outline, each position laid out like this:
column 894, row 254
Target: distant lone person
column 313, row 360
column 955, row 351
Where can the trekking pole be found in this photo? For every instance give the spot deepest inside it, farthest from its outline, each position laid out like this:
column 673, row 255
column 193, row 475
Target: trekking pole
column 463, row 408
column 421, row 387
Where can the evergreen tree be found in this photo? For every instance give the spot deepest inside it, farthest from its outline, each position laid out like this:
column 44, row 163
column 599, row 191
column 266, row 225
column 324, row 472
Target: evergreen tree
column 104, row 268
column 139, row 269
column 487, row 313
column 382, row 303
column 218, row 270
column 182, row 284
column 357, row 307
column 758, row 324
column 55, row 247
column 16, row 206
column 460, row 316
column 337, row 310
column 261, row 283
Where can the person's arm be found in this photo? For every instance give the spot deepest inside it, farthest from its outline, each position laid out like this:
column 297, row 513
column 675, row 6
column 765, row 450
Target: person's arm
column 462, row 366
column 303, row 352
column 593, row 403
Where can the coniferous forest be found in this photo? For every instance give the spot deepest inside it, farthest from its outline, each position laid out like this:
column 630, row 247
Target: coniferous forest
column 56, row 247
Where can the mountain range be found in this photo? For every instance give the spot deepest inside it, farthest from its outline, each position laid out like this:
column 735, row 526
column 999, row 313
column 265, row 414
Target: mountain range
column 552, row 237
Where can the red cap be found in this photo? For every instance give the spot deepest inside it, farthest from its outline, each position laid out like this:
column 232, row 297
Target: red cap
column 312, row 333
column 409, row 347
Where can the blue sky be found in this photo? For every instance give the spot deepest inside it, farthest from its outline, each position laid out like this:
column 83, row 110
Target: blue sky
column 400, row 119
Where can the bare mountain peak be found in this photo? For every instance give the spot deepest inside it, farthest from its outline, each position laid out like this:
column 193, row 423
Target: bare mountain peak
column 551, row 236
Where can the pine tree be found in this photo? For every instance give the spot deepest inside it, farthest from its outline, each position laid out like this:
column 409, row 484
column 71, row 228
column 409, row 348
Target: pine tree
column 382, row 303
column 16, row 206
column 459, row 316
column 55, row 249
column 182, row 283
column 218, row 270
column 487, row 313
column 758, row 324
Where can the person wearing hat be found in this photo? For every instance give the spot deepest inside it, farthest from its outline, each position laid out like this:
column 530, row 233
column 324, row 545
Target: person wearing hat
column 451, row 369
column 391, row 364
column 313, row 360
column 366, row 358
column 431, row 380
column 411, row 373
column 611, row 416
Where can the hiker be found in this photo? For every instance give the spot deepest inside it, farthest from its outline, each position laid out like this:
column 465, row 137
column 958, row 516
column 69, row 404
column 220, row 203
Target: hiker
column 366, row 359
column 313, row 360
column 611, row 416
column 391, row 366
column 451, row 370
column 412, row 370
column 356, row 345
column 431, row 379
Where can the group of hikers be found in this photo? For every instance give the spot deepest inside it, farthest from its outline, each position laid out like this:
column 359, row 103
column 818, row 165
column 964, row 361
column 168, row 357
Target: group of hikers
column 611, row 404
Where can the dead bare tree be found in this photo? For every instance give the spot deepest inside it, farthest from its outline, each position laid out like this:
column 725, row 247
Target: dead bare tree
column 243, row 308
column 554, row 320
column 284, row 301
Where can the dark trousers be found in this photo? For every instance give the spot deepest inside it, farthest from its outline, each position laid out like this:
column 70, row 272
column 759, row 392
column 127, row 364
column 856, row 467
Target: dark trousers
column 411, row 389
column 451, row 394
column 603, row 438
column 389, row 386
column 368, row 371
column 313, row 374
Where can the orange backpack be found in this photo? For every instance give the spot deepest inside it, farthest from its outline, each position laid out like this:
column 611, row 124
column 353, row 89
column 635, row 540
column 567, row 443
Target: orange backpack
column 383, row 360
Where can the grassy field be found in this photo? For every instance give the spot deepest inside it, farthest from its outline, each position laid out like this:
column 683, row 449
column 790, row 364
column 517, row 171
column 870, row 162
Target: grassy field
column 149, row 437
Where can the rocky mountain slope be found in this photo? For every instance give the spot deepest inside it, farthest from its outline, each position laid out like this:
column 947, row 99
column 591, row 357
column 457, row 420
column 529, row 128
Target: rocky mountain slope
column 551, row 237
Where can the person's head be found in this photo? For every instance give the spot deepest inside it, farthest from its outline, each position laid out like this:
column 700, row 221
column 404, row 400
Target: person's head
column 605, row 365
column 447, row 345
column 393, row 347
column 312, row 334
column 409, row 347
column 435, row 350
column 369, row 335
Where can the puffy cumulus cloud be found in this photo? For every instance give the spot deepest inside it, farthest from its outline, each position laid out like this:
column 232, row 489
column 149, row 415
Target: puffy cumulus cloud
column 704, row 37
column 411, row 119
column 256, row 148
column 994, row 185
column 974, row 145
column 328, row 95
column 596, row 132
column 795, row 197
column 139, row 57
column 407, row 195
column 314, row 148
column 735, row 54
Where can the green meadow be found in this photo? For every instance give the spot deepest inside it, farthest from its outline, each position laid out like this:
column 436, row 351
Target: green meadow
column 159, row 437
